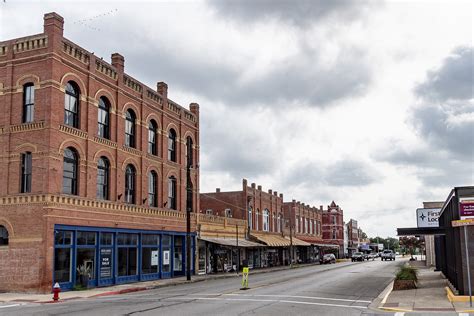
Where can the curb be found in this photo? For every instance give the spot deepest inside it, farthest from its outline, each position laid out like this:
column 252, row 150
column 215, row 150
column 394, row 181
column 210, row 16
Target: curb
column 455, row 298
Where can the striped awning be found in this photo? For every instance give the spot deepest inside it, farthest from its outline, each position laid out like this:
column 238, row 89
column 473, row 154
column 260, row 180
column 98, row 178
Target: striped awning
column 272, row 240
column 231, row 242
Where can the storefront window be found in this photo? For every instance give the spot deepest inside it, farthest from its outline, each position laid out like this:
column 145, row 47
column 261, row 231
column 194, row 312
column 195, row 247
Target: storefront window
column 166, row 245
column 127, row 254
column 178, row 254
column 106, row 255
column 150, row 253
column 62, row 256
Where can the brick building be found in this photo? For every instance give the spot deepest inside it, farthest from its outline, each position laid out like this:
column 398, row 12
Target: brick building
column 94, row 166
column 353, row 237
column 333, row 226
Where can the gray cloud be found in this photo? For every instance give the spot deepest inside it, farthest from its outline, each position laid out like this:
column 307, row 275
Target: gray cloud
column 300, row 13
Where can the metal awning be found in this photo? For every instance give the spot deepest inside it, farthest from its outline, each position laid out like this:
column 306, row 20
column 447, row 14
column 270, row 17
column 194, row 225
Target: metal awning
column 231, row 242
column 299, row 242
column 416, row 231
column 327, row 245
column 272, row 240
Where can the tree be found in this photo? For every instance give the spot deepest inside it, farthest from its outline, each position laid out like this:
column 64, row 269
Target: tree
column 411, row 243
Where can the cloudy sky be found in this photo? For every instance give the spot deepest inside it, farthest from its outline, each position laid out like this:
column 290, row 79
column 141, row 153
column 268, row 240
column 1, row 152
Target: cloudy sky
column 368, row 103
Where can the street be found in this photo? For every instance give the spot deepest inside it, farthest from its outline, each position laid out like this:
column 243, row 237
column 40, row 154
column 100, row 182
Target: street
column 340, row 289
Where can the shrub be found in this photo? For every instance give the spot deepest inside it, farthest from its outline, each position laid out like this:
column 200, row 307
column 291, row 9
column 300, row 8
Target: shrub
column 407, row 273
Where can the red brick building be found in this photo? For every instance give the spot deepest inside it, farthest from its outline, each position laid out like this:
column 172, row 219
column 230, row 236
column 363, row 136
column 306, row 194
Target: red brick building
column 333, row 226
column 353, row 237
column 94, row 167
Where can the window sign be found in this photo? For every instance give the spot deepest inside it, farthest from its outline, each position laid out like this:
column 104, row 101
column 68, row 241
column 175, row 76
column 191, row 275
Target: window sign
column 166, row 257
column 466, row 209
column 105, row 263
column 154, row 258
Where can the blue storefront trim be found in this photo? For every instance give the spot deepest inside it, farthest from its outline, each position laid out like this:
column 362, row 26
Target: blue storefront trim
column 115, row 278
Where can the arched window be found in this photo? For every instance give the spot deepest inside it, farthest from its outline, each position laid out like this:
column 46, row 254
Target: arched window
column 189, row 151
column 26, row 171
column 334, row 234
column 130, row 184
column 70, row 163
column 250, row 217
column 152, row 189
column 257, row 214
column 172, row 193
column 172, row 145
column 297, row 224
column 130, row 119
column 3, row 236
column 274, row 226
column 152, row 137
column 103, row 168
column 279, row 223
column 103, row 118
column 28, row 102
column 266, row 221
column 71, row 105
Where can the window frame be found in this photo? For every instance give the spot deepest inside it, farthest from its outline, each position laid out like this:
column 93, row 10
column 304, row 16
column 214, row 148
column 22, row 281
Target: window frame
column 106, row 176
column 75, row 170
column 172, row 188
column 26, row 172
column 4, row 232
column 189, row 152
column 103, row 128
column 130, row 128
column 152, row 133
column 130, row 184
column 28, row 103
column 172, row 148
column 153, row 194
column 68, row 96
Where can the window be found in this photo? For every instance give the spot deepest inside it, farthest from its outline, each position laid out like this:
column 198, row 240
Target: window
column 3, row 236
column 172, row 145
column 209, row 211
column 70, row 171
column 306, row 222
column 279, row 223
column 297, row 226
column 152, row 189
column 130, row 184
column 266, row 220
column 172, row 193
column 334, row 234
column 103, row 118
column 334, row 219
column 152, row 137
column 103, row 168
column 71, row 105
column 250, row 218
column 256, row 219
column 28, row 102
column 26, row 167
column 228, row 212
column 130, row 128
column 189, row 151
column 301, row 224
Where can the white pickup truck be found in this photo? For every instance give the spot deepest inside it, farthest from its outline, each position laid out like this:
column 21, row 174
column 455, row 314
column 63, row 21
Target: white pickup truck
column 388, row 255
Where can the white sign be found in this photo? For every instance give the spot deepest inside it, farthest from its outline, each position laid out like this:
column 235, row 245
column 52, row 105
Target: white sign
column 166, row 257
column 427, row 217
column 380, row 247
column 154, row 258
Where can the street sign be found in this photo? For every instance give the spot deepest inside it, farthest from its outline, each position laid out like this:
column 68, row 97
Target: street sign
column 427, row 217
column 463, row 222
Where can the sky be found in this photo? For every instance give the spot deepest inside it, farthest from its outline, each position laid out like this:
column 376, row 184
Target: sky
column 367, row 103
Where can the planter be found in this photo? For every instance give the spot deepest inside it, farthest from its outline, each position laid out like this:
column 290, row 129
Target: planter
column 84, row 279
column 399, row 285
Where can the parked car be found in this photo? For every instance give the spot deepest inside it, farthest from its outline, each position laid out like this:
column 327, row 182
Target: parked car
column 372, row 256
column 328, row 258
column 357, row 256
column 388, row 255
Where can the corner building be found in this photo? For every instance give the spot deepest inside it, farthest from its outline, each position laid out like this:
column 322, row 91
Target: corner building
column 94, row 167
column 333, row 227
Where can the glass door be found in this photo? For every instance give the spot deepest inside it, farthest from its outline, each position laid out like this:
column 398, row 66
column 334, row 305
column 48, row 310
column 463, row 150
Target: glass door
column 166, row 256
column 178, row 264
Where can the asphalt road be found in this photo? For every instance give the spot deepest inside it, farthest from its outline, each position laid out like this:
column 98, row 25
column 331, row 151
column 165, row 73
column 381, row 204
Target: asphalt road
column 340, row 289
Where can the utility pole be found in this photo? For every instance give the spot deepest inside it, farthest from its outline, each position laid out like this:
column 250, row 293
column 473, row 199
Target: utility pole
column 291, row 243
column 189, row 206
column 238, row 250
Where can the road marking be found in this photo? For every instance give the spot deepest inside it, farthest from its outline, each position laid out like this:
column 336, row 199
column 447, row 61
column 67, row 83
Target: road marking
column 307, row 297
column 399, row 313
column 264, row 300
column 463, row 314
column 13, row 305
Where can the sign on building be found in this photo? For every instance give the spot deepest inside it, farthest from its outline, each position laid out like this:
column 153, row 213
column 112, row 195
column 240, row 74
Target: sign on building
column 466, row 209
column 427, row 217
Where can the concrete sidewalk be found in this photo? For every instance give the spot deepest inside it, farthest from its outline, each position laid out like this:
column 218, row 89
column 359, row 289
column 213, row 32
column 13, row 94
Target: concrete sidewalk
column 142, row 286
column 429, row 296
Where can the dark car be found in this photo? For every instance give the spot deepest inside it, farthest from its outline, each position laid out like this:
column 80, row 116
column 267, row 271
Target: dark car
column 328, row 258
column 358, row 256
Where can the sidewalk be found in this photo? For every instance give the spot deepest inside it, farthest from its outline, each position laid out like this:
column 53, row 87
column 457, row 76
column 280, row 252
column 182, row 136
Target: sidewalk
column 429, row 296
column 140, row 286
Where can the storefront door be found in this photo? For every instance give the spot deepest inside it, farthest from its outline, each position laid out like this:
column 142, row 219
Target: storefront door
column 166, row 244
column 178, row 256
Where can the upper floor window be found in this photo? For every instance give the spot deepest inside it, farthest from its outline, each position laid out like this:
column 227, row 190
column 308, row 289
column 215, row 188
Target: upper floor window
column 257, row 214
column 228, row 212
column 172, row 193
column 334, row 219
column 274, row 222
column 3, row 236
column 209, row 211
column 152, row 137
column 279, row 223
column 172, row 145
column 70, row 163
column 189, row 151
column 130, row 174
column 297, row 225
column 250, row 217
column 266, row 220
column 28, row 102
column 103, row 118
column 334, row 234
column 152, row 189
column 130, row 128
column 26, row 170
column 71, row 105
column 103, row 170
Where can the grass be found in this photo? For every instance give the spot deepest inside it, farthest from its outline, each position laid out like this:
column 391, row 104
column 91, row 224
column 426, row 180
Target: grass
column 407, row 273
column 79, row 287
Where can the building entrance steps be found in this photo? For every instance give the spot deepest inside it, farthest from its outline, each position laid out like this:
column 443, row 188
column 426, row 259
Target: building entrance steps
column 429, row 296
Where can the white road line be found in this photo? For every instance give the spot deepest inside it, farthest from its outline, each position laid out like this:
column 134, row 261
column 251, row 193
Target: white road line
column 463, row 314
column 13, row 305
column 263, row 300
column 307, row 297
column 399, row 313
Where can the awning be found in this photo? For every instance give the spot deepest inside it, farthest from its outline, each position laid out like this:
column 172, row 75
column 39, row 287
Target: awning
column 272, row 240
column 298, row 242
column 232, row 242
column 421, row 231
column 311, row 240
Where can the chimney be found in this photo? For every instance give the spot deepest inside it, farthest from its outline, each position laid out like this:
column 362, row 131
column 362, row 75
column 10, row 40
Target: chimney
column 321, row 207
column 281, row 195
column 259, row 187
column 53, row 24
column 253, row 185
column 270, row 191
column 118, row 62
column 194, row 108
column 162, row 89
column 244, row 183
column 275, row 193
column 218, row 190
